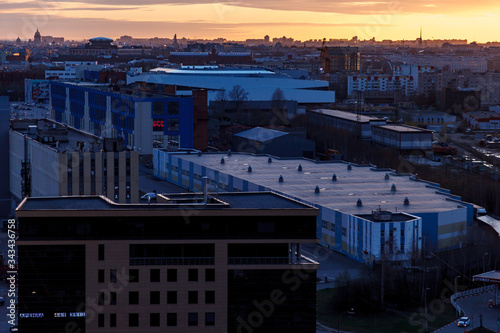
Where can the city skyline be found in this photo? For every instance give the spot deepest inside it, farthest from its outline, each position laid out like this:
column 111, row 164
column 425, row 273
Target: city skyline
column 239, row 20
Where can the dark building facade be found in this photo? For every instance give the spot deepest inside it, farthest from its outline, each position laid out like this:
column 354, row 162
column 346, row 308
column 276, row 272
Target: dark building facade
column 345, row 58
column 230, row 263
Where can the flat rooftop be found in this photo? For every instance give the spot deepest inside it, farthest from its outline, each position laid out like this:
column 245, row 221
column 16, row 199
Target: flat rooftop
column 44, row 126
column 403, row 128
column 364, row 182
column 346, row 115
column 179, row 202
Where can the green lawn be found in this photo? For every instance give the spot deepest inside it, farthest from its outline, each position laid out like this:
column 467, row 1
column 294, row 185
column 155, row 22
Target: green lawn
column 410, row 321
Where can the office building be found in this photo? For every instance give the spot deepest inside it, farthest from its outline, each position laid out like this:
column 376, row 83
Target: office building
column 228, row 263
column 51, row 159
column 141, row 117
column 366, row 213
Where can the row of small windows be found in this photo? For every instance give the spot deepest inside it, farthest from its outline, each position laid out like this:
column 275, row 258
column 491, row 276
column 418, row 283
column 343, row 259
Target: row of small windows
column 104, row 298
column 154, row 275
column 155, row 319
column 159, row 108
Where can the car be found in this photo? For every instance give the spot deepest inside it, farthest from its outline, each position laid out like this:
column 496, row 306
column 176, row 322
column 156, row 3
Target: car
column 464, row 322
column 2, row 301
column 150, row 195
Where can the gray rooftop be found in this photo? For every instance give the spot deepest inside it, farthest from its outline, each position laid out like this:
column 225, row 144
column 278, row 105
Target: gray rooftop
column 261, row 134
column 346, row 115
column 362, row 182
column 248, row 200
column 403, row 128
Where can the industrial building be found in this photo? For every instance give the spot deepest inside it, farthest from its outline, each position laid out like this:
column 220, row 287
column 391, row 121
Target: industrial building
column 141, row 117
column 260, row 140
column 321, row 122
column 402, row 137
column 186, row 264
column 51, row 159
column 368, row 214
column 258, row 83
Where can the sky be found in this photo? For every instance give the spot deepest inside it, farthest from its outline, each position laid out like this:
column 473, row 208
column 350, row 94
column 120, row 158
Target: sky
column 242, row 19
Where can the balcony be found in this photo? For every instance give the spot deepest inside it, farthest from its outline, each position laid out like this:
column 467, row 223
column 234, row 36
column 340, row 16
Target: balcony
column 174, row 261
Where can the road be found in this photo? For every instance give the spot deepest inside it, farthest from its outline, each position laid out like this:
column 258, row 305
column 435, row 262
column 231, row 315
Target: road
column 475, row 306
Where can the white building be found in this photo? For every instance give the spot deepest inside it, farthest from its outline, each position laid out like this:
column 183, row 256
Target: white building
column 72, row 70
column 260, row 84
column 407, row 85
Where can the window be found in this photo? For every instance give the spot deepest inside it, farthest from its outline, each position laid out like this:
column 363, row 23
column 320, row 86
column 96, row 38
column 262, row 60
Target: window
column 209, row 297
column 192, row 297
column 154, row 297
column 112, row 320
column 154, row 319
column 112, row 297
column 154, row 275
column 173, row 107
column 171, row 319
column 133, row 320
column 193, row 274
column 171, row 297
column 100, row 276
column 100, row 252
column 133, row 297
column 100, row 320
column 133, row 275
column 332, row 226
column 100, row 298
column 324, row 224
column 192, row 319
column 112, row 275
column 172, row 275
column 158, row 108
column 209, row 319
column 209, row 275
column 173, row 125
column 344, row 231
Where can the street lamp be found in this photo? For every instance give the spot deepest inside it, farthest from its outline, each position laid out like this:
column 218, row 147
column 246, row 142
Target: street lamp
column 425, row 301
column 456, row 289
column 484, row 267
column 351, row 312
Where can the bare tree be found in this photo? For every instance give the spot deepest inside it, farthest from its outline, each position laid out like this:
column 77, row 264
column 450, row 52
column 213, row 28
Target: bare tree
column 238, row 96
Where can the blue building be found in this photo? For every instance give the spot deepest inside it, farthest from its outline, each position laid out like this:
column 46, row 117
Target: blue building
column 143, row 121
column 366, row 213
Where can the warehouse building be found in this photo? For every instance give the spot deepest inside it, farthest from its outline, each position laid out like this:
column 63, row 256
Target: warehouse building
column 366, row 213
column 402, row 137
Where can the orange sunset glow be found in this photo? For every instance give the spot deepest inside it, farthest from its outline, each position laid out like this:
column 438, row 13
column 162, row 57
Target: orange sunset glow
column 241, row 19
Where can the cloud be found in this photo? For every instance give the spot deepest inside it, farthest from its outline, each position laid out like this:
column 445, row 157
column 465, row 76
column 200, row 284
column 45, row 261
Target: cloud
column 352, row 7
